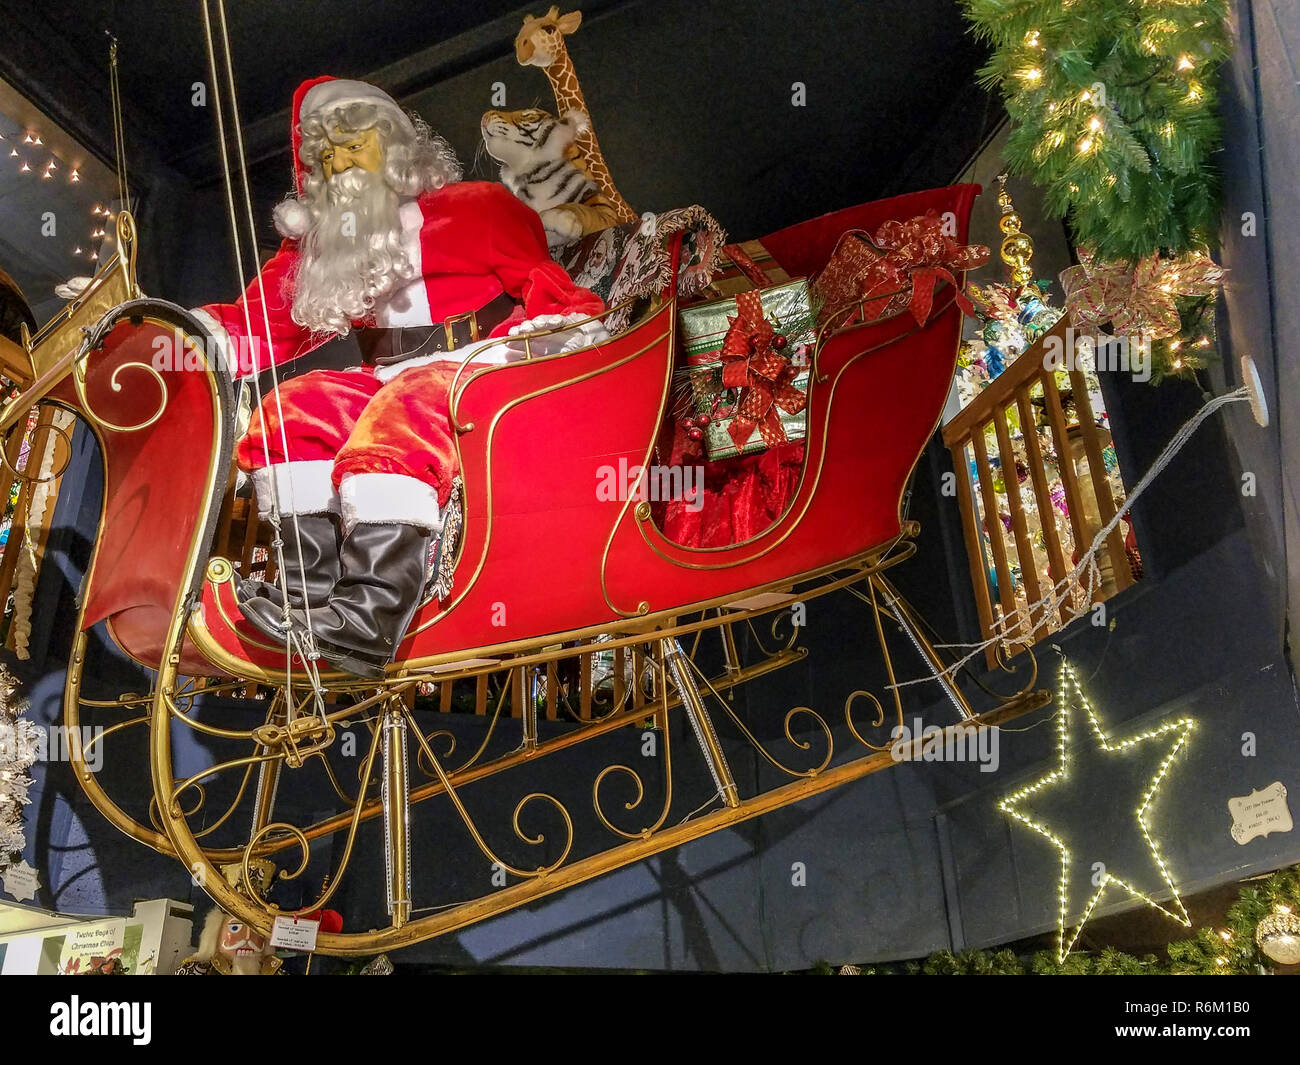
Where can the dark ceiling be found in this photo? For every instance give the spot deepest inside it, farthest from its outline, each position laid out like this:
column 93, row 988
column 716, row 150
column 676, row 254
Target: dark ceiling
column 692, row 102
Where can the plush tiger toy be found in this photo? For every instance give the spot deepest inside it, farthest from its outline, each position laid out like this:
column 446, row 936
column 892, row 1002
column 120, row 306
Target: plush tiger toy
column 540, row 165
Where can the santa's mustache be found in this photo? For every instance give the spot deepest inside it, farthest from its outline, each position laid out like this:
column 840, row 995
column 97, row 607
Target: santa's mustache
column 352, row 254
column 349, row 186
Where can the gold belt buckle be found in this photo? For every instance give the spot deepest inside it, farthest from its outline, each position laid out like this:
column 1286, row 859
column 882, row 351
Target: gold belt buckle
column 449, row 328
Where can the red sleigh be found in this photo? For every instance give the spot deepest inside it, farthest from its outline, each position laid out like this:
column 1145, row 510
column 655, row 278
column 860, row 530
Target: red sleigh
column 544, row 567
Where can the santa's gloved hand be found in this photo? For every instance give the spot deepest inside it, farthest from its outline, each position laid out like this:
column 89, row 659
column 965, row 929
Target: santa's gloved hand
column 582, row 332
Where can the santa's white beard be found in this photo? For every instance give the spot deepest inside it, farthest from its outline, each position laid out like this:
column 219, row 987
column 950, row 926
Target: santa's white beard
column 352, row 255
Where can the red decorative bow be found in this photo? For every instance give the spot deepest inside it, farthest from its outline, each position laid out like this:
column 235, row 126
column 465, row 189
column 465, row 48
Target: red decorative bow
column 918, row 253
column 751, row 363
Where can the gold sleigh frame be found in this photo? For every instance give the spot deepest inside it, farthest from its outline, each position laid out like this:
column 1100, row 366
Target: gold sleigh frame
column 666, row 681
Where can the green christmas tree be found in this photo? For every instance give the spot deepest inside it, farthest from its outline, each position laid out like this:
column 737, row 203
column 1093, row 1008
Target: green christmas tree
column 1114, row 110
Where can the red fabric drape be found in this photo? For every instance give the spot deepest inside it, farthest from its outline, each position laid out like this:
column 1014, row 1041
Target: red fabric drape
column 739, row 497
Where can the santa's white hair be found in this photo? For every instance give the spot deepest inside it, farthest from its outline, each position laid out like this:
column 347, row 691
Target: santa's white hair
column 348, row 226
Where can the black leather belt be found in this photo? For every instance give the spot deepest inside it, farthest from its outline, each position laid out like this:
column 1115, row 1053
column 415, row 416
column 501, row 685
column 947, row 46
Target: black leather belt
column 384, row 347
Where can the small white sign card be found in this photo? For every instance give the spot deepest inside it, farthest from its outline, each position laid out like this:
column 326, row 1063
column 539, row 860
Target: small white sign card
column 294, row 933
column 21, row 881
column 1260, row 813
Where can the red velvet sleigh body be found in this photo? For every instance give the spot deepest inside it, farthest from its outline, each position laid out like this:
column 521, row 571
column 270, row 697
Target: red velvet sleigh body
column 543, row 557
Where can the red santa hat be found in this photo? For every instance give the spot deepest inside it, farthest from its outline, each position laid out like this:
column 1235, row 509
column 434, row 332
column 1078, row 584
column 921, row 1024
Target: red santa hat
column 327, row 93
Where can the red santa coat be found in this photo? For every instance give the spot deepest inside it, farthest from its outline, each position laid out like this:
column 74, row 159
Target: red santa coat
column 470, row 241
column 387, row 448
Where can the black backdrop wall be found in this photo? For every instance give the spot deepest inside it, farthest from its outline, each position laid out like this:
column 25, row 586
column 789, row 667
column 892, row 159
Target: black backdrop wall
column 693, row 104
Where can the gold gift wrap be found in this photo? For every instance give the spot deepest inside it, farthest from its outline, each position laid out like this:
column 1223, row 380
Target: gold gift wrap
column 705, row 325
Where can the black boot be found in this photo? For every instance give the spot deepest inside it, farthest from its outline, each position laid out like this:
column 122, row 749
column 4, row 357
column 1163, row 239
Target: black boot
column 384, row 569
column 262, row 602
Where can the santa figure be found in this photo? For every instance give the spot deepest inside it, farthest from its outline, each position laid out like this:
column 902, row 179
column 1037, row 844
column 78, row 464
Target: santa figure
column 432, row 272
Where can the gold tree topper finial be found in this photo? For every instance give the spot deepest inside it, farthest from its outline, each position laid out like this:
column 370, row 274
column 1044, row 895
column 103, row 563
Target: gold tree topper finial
column 1017, row 248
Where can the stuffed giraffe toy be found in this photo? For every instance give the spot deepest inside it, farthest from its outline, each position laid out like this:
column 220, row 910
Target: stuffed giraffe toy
column 540, row 43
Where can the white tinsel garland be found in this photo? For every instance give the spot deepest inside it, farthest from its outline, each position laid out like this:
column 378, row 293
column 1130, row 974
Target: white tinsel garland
column 25, row 578
column 18, row 747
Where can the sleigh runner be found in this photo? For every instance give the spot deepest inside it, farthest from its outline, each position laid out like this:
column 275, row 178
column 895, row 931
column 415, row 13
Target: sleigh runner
column 615, row 583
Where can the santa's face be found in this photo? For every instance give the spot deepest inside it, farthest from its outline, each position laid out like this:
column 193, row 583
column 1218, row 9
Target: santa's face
column 352, row 256
column 239, row 941
column 363, row 150
column 365, row 161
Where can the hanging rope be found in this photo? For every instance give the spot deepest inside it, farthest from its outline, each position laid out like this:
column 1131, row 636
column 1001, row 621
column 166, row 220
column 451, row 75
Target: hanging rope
column 1062, row 592
column 296, row 643
column 119, row 132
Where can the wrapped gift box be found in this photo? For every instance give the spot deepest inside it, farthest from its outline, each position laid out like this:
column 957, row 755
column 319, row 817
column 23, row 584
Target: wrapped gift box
column 706, row 384
column 843, row 280
column 733, row 278
column 787, row 307
column 704, row 327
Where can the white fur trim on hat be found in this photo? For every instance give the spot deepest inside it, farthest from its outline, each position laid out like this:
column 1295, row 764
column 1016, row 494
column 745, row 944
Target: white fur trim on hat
column 388, row 499
column 292, row 219
column 303, row 487
column 341, row 92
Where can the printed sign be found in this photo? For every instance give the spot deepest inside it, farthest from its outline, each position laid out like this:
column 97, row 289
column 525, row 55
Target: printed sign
column 1260, row 813
column 94, row 949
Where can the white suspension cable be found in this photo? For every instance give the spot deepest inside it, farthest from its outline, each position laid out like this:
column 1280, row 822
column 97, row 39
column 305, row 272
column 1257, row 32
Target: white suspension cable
column 310, row 654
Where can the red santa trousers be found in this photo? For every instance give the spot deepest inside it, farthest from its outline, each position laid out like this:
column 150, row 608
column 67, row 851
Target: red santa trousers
column 369, row 450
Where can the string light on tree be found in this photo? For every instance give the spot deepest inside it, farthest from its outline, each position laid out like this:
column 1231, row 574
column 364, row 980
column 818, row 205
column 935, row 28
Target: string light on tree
column 1101, row 88
column 1174, row 732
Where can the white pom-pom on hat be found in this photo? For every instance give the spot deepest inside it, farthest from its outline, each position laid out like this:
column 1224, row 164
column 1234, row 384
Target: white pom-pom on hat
column 292, row 219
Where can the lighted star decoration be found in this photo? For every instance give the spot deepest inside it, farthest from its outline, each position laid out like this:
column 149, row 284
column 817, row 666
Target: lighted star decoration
column 1174, row 733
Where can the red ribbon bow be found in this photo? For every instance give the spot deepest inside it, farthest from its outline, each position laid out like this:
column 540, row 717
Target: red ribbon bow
column 751, row 363
column 919, row 253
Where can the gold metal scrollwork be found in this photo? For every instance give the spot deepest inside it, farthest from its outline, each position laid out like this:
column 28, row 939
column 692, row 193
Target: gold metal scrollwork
column 420, row 757
column 649, row 830
column 34, row 453
column 631, row 804
column 477, row 836
column 79, row 383
column 126, row 244
column 880, row 718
